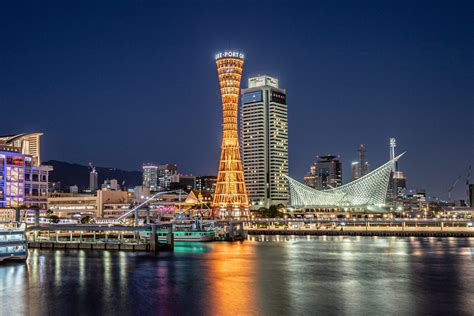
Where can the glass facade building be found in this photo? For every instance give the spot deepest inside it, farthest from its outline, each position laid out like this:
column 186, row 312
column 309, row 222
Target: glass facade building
column 21, row 183
column 150, row 176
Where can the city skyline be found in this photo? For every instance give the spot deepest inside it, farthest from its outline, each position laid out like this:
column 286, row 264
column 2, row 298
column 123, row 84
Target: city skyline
column 359, row 84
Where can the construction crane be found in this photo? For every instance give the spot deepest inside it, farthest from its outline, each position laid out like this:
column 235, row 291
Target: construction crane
column 452, row 187
column 92, row 167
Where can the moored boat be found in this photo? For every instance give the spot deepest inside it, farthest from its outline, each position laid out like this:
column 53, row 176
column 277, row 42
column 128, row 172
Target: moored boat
column 13, row 243
column 189, row 236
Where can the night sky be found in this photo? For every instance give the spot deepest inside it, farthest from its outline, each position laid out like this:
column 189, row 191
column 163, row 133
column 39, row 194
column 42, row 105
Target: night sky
column 119, row 83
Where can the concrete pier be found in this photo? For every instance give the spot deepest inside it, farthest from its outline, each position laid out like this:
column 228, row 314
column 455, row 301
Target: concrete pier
column 345, row 232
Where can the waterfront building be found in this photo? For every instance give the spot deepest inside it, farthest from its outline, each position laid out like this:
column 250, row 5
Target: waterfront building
column 328, row 171
column 25, row 143
column 150, row 176
column 76, row 206
column 196, row 197
column 165, row 172
column 367, row 191
column 206, row 183
column 169, row 203
column 115, row 210
column 23, row 179
column 360, row 168
column 7, row 215
column 230, row 197
column 264, row 139
column 198, row 203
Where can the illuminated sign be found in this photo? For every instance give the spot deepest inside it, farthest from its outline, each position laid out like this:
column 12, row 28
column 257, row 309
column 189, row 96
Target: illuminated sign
column 263, row 81
column 229, row 54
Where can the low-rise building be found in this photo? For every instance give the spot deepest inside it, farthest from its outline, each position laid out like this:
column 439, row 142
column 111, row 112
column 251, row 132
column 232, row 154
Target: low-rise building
column 67, row 205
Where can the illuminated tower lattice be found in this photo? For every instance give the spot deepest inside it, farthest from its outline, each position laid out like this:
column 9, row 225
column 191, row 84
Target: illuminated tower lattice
column 230, row 197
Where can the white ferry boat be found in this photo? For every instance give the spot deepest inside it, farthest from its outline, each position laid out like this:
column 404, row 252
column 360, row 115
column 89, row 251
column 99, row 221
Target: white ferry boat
column 13, row 243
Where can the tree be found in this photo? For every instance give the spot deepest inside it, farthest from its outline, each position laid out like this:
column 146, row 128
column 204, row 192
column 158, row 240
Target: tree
column 86, row 220
column 54, row 219
column 271, row 212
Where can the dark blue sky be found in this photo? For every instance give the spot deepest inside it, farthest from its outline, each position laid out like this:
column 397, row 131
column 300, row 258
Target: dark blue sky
column 119, row 83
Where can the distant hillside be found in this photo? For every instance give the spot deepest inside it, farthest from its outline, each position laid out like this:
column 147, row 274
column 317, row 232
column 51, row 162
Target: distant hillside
column 74, row 174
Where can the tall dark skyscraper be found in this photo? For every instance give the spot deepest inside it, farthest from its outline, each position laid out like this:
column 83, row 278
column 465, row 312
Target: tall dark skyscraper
column 93, row 179
column 165, row 172
column 310, row 177
column 471, row 195
column 397, row 186
column 328, row 171
column 360, row 168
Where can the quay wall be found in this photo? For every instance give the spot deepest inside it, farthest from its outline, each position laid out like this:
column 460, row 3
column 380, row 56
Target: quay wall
column 88, row 246
column 381, row 233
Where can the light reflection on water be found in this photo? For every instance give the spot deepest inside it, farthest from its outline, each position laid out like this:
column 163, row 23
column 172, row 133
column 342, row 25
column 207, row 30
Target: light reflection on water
column 265, row 275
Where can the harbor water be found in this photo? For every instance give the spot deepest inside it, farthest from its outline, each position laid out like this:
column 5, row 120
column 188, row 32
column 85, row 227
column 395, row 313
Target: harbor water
column 264, row 275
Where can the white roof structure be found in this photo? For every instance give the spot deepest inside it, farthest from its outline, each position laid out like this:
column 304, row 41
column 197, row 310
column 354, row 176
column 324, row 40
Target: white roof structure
column 370, row 189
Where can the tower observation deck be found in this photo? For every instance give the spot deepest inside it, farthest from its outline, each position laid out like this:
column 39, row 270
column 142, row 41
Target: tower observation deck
column 230, row 197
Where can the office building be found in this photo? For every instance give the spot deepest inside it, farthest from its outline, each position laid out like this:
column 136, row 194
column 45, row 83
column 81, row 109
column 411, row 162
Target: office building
column 141, row 193
column 23, row 180
column 110, row 185
column 74, row 189
column 264, row 138
column 360, row 168
column 183, row 182
column 26, row 143
column 165, row 172
column 398, row 187
column 230, row 197
column 206, row 183
column 310, row 178
column 93, row 180
column 150, row 176
column 471, row 195
column 328, row 171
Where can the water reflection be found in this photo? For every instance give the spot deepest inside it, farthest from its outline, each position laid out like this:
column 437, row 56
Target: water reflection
column 264, row 275
column 231, row 269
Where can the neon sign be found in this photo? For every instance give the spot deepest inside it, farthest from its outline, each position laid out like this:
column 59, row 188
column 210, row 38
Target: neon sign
column 230, row 54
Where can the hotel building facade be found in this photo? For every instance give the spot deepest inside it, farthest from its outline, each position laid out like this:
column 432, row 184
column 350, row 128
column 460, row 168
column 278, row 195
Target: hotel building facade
column 264, row 141
column 23, row 180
